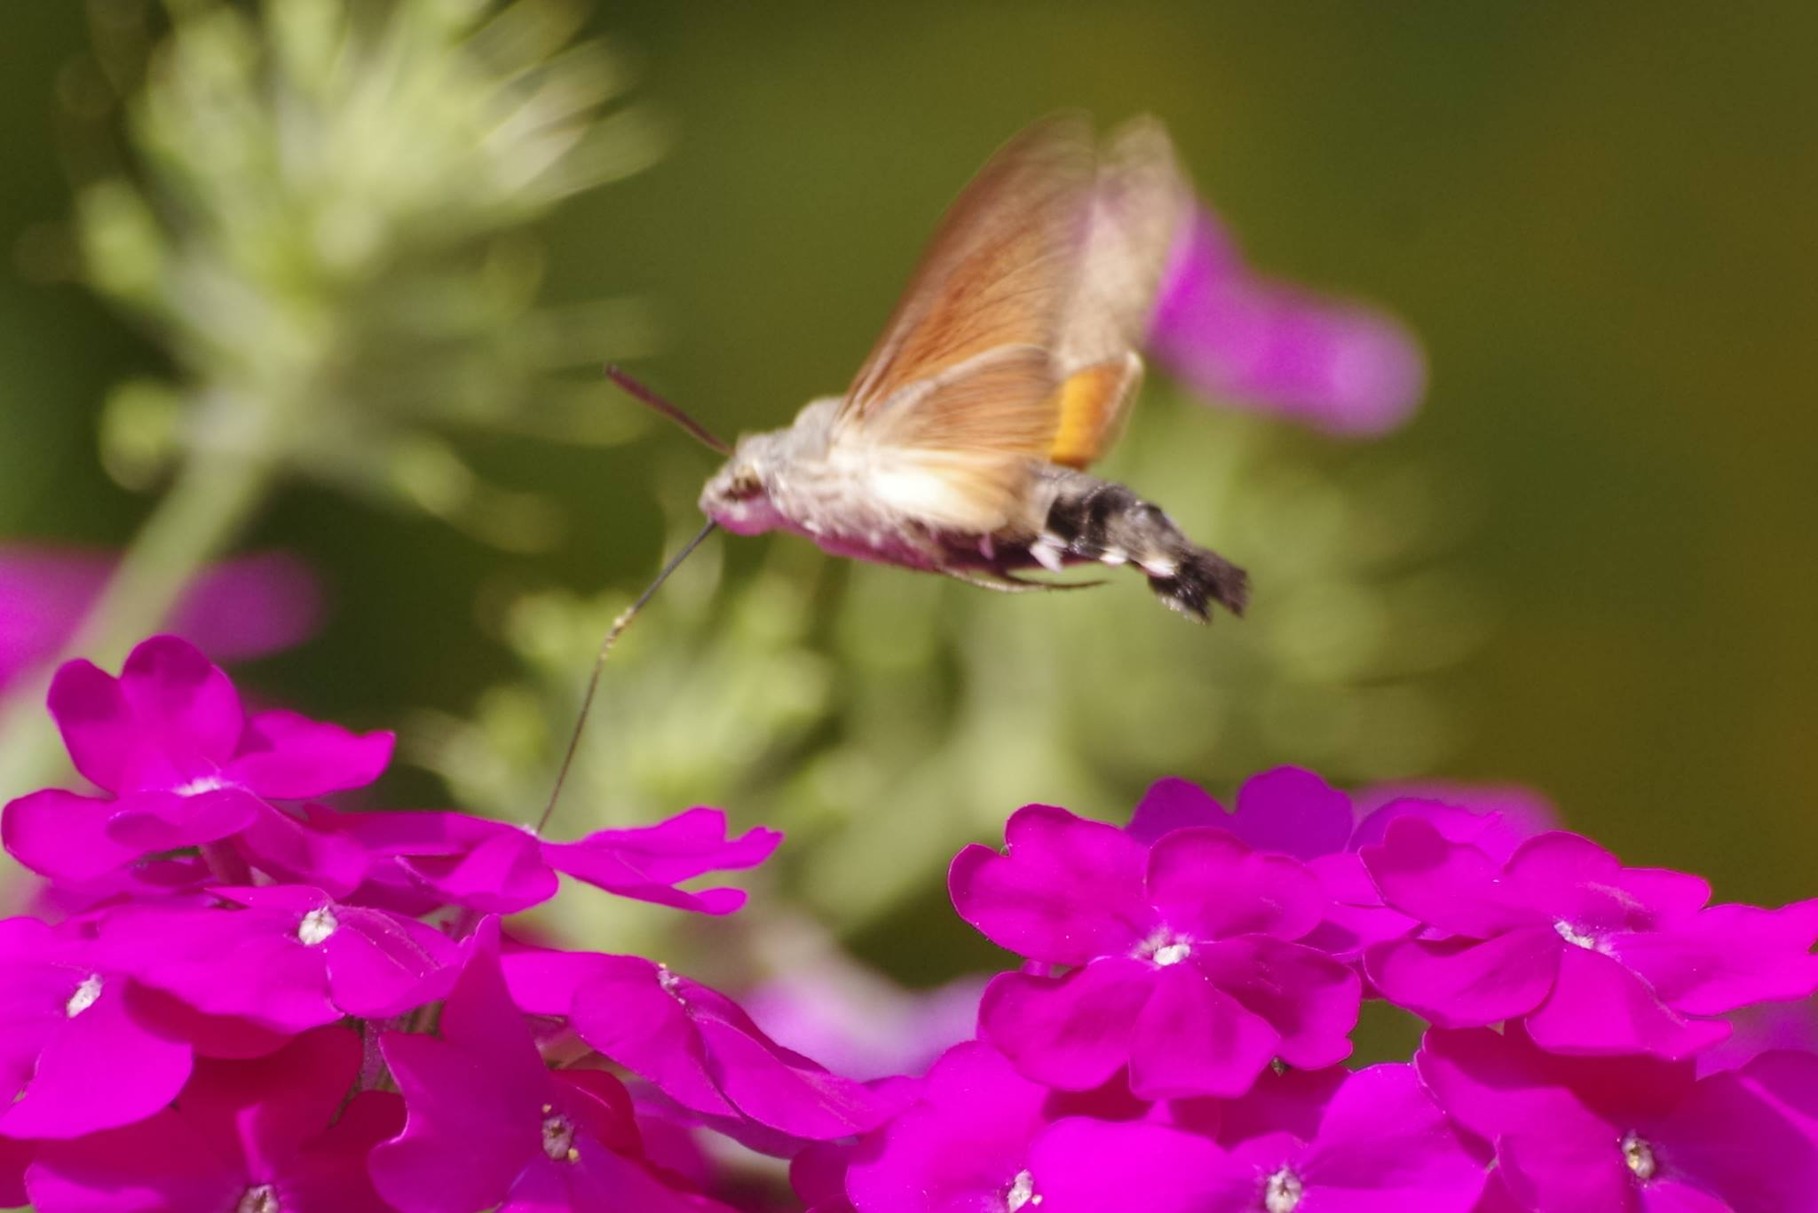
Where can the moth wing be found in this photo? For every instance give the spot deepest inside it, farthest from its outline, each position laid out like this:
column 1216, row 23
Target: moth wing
column 1139, row 205
column 967, row 443
column 1000, row 271
column 1014, row 343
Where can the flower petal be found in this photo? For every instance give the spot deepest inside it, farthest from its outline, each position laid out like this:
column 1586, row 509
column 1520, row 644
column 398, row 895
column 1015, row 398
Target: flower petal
column 959, row 1147
column 1728, row 956
column 1458, row 983
column 646, row 863
column 1307, row 997
column 284, row 756
column 1451, row 886
column 64, row 836
column 1071, row 1032
column 1598, row 1006
column 1292, row 811
column 1192, row 1038
column 1384, row 1145
column 1064, row 891
column 171, row 717
column 1078, row 1165
column 1208, row 884
column 104, row 1068
column 1173, row 804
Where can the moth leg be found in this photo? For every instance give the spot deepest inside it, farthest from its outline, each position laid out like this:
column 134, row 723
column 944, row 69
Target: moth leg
column 1010, row 583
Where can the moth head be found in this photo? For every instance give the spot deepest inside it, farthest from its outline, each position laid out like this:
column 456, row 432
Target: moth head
column 738, row 495
column 744, row 494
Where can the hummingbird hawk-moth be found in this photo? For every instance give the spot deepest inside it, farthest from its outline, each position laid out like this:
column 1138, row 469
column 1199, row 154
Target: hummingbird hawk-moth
column 1006, row 370
column 962, row 445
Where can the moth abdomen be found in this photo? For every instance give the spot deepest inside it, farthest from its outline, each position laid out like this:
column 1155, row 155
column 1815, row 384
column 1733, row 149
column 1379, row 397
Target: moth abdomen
column 1093, row 519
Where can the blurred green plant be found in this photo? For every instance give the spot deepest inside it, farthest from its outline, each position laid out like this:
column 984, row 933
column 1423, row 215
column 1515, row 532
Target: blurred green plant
column 326, row 219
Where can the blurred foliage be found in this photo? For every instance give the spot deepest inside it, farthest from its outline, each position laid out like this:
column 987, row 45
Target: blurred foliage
column 1588, row 566
column 321, row 216
column 323, row 221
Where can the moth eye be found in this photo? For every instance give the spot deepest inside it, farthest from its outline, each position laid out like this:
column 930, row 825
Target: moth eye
column 744, row 484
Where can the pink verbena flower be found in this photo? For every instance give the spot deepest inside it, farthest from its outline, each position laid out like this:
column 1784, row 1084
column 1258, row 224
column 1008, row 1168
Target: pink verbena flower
column 1381, row 1143
column 424, row 858
column 695, row 1045
column 982, row 1137
column 242, row 608
column 1595, row 957
column 1246, row 341
column 1293, row 811
column 181, row 760
column 490, row 1126
column 1183, row 957
column 278, row 1133
column 79, row 1049
column 1632, row 1134
column 285, row 956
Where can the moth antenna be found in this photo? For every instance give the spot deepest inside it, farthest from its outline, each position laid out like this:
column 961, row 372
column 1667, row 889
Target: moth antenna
column 599, row 663
column 645, row 396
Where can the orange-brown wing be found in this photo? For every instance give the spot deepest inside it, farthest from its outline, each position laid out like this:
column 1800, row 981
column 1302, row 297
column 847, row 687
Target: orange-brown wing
column 973, row 436
column 1000, row 273
column 1139, row 205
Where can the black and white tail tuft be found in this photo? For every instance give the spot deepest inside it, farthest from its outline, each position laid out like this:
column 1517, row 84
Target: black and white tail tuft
column 1093, row 519
column 1201, row 578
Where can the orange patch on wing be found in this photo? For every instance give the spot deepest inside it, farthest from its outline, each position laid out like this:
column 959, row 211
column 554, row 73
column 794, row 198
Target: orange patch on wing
column 1090, row 401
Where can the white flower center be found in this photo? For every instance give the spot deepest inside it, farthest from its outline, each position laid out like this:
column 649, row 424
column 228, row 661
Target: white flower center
column 672, row 985
column 1639, row 1155
column 84, row 997
column 317, row 925
column 262, row 1199
column 1575, row 937
column 558, row 1136
column 1281, row 1192
column 199, row 785
column 1164, row 948
column 1021, row 1192
column 1171, row 954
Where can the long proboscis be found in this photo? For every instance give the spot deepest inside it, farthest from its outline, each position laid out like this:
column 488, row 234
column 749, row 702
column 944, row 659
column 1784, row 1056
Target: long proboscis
column 644, row 395
column 599, row 664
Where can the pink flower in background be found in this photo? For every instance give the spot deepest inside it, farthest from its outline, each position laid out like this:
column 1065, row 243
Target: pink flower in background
column 238, row 609
column 857, row 1022
column 1248, row 342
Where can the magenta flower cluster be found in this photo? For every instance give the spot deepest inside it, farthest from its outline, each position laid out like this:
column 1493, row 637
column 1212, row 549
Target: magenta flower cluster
column 237, row 998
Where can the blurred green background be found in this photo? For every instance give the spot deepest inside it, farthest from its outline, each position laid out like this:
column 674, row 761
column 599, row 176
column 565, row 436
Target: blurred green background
column 1601, row 219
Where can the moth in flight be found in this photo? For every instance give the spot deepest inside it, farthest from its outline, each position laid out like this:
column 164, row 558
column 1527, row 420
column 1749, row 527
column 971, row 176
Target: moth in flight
column 962, row 445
